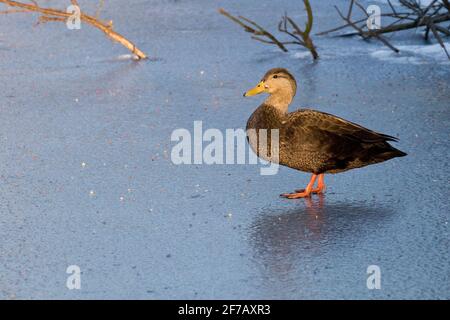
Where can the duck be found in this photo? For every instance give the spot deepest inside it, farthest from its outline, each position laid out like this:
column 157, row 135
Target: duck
column 310, row 141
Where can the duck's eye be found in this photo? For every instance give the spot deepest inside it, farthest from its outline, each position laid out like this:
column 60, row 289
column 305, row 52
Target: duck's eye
column 275, row 76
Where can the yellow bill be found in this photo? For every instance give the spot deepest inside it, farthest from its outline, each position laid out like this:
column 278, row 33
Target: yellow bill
column 256, row 90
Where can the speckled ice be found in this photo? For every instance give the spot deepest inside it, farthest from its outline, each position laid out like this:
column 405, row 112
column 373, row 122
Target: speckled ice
column 210, row 231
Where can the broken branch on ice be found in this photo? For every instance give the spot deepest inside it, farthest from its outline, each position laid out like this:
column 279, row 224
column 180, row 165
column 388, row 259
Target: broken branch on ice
column 50, row 14
column 409, row 15
column 286, row 26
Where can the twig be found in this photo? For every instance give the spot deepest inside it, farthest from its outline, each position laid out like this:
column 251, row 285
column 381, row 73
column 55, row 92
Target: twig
column 12, row 11
column 260, row 31
column 438, row 38
column 414, row 17
column 286, row 26
column 58, row 15
column 263, row 32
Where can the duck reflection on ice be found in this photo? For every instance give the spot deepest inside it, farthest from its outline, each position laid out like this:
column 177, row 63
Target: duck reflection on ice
column 286, row 240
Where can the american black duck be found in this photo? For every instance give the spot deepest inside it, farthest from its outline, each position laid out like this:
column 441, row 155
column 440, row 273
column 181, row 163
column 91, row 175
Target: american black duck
column 310, row 140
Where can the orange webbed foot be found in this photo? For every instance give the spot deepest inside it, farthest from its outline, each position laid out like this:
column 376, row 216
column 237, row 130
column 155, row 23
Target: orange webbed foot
column 319, row 189
column 305, row 193
column 296, row 195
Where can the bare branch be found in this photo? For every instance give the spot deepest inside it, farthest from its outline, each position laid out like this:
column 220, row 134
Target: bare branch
column 259, row 31
column 13, row 11
column 286, row 26
column 309, row 23
column 59, row 15
column 413, row 16
column 439, row 39
column 282, row 27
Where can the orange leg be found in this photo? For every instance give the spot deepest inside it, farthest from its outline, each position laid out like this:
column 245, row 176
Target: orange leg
column 320, row 185
column 304, row 193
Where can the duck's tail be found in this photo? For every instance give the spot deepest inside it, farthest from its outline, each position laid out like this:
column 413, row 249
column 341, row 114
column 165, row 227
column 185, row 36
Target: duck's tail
column 384, row 151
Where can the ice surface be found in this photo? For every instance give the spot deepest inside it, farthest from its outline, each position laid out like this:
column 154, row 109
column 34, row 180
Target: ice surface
column 414, row 54
column 151, row 229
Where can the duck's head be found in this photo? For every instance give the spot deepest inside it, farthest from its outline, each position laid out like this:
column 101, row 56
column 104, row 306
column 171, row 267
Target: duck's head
column 281, row 87
column 277, row 81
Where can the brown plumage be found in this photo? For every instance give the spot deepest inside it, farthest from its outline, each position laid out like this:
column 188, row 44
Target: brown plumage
column 310, row 140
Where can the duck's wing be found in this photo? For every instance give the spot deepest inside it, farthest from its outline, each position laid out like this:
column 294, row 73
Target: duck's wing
column 312, row 120
column 331, row 144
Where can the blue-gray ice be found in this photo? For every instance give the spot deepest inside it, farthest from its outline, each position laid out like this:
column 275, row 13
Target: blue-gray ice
column 86, row 177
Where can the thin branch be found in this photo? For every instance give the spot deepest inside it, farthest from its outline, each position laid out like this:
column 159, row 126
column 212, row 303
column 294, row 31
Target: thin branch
column 282, row 27
column 246, row 28
column 439, row 39
column 446, row 4
column 414, row 16
column 441, row 29
column 56, row 14
column 405, row 26
column 259, row 32
column 263, row 32
column 309, row 23
column 13, row 11
column 286, row 26
column 339, row 28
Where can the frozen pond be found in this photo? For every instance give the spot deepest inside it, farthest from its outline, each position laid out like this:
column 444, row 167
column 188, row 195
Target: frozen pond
column 86, row 177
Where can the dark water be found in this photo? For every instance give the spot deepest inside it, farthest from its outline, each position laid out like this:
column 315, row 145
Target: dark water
column 139, row 226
